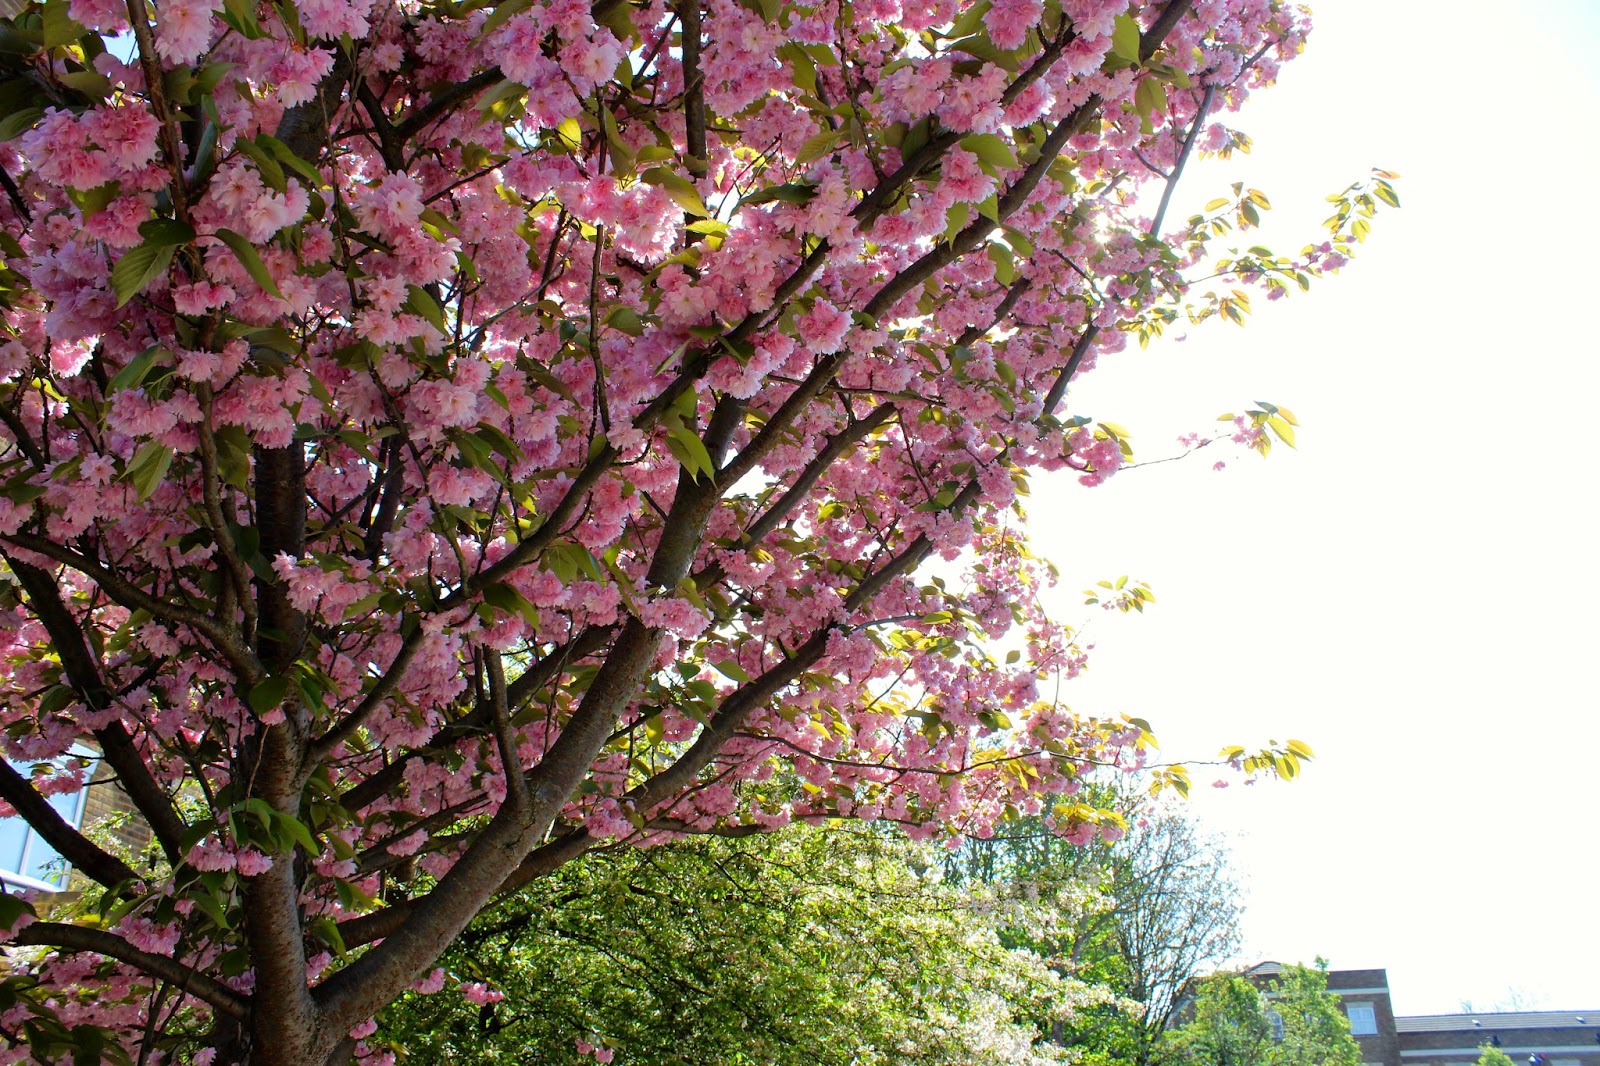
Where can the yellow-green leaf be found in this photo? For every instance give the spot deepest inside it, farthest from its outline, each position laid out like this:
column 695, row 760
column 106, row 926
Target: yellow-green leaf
column 680, row 188
column 1125, row 38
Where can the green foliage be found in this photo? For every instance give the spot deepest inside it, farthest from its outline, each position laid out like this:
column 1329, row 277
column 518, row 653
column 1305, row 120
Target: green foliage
column 835, row 946
column 1489, row 1055
column 1295, row 1022
column 1166, row 909
column 1229, row 1027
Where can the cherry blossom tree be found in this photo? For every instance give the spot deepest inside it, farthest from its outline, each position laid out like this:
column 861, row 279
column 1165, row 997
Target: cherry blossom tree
column 445, row 436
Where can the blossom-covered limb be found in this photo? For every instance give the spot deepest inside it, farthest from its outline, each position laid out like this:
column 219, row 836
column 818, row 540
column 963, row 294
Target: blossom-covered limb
column 84, row 674
column 188, row 979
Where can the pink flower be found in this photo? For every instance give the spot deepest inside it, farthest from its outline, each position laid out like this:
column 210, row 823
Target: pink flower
column 1010, row 20
column 963, row 179
column 18, row 924
column 431, row 983
column 823, row 327
column 183, row 29
column 480, row 993
column 211, row 854
column 252, row 862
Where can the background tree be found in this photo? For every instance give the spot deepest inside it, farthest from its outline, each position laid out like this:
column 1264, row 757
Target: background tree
column 1229, row 1026
column 1489, row 1055
column 1168, row 911
column 442, row 437
column 1296, row 1021
column 1176, row 913
column 1315, row 1029
column 826, row 945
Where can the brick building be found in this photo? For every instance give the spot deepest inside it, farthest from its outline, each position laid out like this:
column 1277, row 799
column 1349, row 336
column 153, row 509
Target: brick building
column 1537, row 1038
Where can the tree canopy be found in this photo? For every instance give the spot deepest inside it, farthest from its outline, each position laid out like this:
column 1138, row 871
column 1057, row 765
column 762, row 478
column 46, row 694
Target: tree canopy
column 1294, row 1021
column 836, row 946
column 440, row 436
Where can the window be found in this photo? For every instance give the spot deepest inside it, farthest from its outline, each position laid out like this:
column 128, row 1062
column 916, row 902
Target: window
column 1275, row 1020
column 1363, row 1020
column 25, row 859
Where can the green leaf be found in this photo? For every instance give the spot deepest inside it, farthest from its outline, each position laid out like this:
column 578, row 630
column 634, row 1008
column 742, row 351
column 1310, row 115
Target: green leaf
column 326, row 930
column 133, row 375
column 983, row 48
column 209, row 76
column 793, row 192
column 268, row 694
column 137, row 267
column 1125, row 38
column 732, row 670
column 916, row 139
column 1005, row 268
column 690, row 451
column 627, row 320
column 502, row 14
column 680, row 188
column 233, row 456
column 12, row 908
column 291, row 831
column 88, row 82
column 241, row 15
column 420, row 302
column 990, row 149
column 92, row 201
column 816, row 146
column 570, row 134
column 59, row 27
column 509, row 600
column 148, row 467
column 970, row 20
column 1150, row 98
column 498, row 440
column 956, row 220
column 285, row 156
column 271, row 173
column 166, row 231
column 475, row 451
column 250, row 259
column 18, row 122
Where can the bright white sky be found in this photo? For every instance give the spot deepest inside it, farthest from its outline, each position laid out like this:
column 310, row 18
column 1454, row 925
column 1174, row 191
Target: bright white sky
column 1413, row 591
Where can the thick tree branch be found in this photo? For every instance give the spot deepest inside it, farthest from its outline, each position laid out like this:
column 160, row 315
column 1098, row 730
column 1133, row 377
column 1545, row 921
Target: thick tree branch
column 77, row 849
column 526, row 685
column 133, row 597
column 83, row 673
column 100, row 942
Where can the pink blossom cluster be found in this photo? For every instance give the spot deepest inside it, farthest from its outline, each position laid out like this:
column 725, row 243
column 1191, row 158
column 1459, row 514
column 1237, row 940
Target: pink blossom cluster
column 448, row 383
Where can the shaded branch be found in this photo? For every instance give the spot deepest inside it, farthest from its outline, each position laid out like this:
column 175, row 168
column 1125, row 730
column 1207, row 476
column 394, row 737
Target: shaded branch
column 73, row 846
column 82, row 938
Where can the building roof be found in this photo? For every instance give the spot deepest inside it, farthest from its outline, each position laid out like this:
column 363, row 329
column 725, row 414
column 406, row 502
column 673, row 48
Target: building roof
column 1527, row 1019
